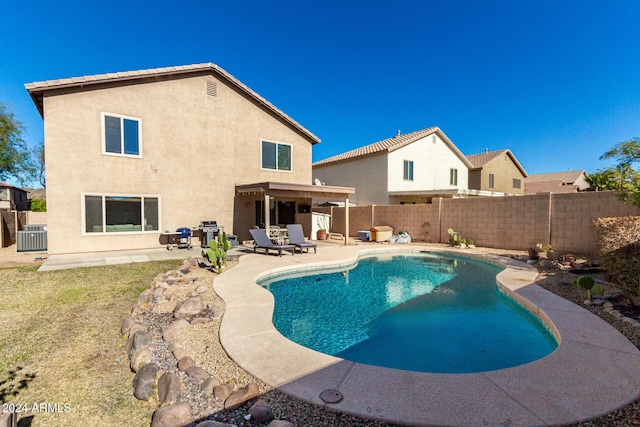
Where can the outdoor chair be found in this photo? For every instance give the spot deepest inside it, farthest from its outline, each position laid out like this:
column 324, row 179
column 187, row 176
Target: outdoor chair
column 296, row 238
column 262, row 242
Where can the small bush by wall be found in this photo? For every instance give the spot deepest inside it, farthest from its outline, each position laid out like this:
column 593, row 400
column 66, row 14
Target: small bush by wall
column 38, row 205
column 619, row 242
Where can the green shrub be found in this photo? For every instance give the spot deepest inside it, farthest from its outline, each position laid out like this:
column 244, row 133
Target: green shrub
column 37, row 205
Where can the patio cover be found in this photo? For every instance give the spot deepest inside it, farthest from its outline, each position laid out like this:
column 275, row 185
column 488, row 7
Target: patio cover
column 282, row 189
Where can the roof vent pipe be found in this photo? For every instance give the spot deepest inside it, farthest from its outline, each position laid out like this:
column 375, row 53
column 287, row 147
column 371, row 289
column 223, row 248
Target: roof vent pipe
column 398, row 132
column 486, row 150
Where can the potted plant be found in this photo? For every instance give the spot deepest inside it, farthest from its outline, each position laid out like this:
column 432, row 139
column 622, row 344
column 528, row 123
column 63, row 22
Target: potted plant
column 323, row 226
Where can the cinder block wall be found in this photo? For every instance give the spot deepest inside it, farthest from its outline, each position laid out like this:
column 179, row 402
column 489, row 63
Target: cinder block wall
column 516, row 222
column 572, row 214
column 360, row 218
column 420, row 221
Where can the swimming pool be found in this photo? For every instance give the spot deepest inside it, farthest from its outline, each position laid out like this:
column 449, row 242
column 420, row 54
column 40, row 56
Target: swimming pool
column 422, row 312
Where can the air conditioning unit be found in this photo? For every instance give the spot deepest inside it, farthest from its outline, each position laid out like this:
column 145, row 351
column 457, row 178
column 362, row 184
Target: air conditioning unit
column 32, row 241
column 35, row 227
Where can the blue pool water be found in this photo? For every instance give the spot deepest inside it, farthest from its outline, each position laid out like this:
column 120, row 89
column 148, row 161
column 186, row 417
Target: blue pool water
column 421, row 312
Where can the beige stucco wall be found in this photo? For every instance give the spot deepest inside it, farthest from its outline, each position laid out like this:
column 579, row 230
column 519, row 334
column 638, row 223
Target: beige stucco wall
column 367, row 175
column 36, row 217
column 195, row 149
column 504, row 171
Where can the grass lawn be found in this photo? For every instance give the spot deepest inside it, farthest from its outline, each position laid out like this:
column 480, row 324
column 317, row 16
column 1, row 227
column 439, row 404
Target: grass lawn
column 61, row 351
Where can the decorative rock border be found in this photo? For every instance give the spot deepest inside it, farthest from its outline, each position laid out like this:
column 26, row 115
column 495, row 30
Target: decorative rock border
column 151, row 382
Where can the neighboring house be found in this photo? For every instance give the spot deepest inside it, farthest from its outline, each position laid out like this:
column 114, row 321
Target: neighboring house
column 497, row 172
column 411, row 168
column 13, row 198
column 556, row 182
column 130, row 155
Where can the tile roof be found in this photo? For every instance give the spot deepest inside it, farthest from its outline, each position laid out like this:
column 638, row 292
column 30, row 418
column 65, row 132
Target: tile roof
column 479, row 160
column 567, row 176
column 482, row 159
column 36, row 89
column 4, row 184
column 554, row 186
column 391, row 144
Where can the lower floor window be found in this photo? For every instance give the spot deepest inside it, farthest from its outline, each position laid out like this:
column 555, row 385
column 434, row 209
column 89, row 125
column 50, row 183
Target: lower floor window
column 109, row 214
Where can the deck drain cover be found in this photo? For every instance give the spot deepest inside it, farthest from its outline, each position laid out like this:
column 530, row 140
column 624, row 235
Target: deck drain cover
column 331, row 396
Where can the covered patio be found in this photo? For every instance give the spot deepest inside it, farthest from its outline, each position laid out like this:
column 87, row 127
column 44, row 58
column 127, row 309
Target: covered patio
column 274, row 204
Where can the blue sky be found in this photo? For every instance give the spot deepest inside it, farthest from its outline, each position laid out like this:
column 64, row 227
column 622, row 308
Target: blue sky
column 557, row 82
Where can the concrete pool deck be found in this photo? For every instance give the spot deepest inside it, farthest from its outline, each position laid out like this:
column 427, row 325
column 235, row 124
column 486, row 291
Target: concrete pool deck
column 595, row 369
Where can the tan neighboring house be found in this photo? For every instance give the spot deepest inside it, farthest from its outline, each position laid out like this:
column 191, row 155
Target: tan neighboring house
column 13, row 198
column 556, row 182
column 497, row 172
column 411, row 168
column 130, row 155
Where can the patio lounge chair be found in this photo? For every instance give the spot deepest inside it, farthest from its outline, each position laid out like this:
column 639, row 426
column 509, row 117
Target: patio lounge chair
column 263, row 242
column 296, row 238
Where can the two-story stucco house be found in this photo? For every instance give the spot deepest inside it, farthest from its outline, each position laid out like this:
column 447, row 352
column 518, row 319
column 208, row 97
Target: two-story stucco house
column 409, row 168
column 132, row 154
column 497, row 173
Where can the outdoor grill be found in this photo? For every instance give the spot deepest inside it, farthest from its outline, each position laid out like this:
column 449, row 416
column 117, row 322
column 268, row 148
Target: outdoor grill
column 208, row 231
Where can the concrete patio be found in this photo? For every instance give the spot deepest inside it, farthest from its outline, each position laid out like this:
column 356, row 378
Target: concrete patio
column 595, row 369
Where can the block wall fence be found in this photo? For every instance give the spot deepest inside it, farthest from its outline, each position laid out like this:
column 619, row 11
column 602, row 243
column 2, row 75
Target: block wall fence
column 512, row 222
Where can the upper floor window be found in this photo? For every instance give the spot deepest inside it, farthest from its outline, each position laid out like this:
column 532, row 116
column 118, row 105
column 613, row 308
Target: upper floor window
column 276, row 156
column 408, row 170
column 517, row 183
column 453, row 176
column 121, row 135
column 492, row 180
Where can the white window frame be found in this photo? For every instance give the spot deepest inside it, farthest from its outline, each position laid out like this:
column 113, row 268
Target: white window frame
column 519, row 181
column 453, row 176
column 407, row 170
column 492, row 181
column 276, row 143
column 103, row 116
column 104, row 231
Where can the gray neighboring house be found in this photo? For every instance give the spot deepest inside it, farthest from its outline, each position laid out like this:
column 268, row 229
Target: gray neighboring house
column 13, row 198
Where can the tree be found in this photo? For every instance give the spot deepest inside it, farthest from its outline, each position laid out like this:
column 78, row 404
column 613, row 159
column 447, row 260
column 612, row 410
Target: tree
column 622, row 177
column 15, row 158
column 611, row 179
column 38, row 159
